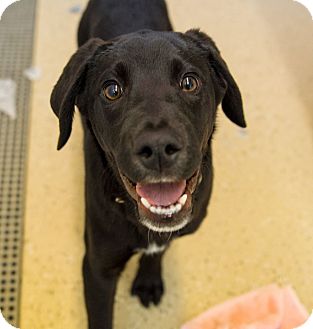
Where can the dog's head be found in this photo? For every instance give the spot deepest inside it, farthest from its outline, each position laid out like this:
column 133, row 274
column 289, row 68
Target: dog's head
column 150, row 99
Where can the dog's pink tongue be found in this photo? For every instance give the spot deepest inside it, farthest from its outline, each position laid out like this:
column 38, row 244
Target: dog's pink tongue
column 161, row 194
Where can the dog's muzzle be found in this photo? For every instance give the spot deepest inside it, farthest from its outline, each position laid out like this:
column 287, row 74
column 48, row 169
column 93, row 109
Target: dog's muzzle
column 163, row 206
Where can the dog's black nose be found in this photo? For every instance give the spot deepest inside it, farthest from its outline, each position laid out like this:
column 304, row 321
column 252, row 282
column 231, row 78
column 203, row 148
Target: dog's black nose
column 157, row 150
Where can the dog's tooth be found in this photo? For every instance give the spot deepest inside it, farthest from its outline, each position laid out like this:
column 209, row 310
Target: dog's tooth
column 153, row 209
column 172, row 208
column 183, row 200
column 157, row 210
column 145, row 202
column 167, row 211
column 162, row 211
column 178, row 207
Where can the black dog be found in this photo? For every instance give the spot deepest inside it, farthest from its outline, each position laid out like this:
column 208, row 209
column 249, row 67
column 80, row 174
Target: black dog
column 148, row 102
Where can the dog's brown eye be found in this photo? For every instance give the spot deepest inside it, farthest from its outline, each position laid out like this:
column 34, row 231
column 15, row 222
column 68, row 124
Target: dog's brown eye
column 189, row 84
column 112, row 91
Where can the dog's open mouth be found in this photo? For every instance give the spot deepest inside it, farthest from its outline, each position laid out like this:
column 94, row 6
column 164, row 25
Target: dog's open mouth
column 164, row 199
column 163, row 204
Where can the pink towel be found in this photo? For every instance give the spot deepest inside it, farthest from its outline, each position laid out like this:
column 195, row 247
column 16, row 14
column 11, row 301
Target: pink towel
column 269, row 307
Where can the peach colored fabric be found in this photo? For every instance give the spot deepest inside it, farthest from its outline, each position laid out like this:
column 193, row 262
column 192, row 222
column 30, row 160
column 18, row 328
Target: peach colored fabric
column 269, row 307
column 294, row 312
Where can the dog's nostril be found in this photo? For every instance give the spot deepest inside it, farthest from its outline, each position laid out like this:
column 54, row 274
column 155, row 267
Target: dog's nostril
column 146, row 152
column 171, row 149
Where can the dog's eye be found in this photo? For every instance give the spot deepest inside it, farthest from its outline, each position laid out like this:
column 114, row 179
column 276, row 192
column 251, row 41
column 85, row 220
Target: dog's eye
column 112, row 91
column 189, row 84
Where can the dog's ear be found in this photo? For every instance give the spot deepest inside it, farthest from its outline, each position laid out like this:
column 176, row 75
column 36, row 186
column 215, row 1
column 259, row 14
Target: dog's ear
column 226, row 89
column 70, row 84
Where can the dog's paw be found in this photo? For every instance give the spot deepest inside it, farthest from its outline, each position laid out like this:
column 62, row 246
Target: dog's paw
column 148, row 289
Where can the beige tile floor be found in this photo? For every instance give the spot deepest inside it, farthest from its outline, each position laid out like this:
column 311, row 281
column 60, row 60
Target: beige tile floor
column 260, row 224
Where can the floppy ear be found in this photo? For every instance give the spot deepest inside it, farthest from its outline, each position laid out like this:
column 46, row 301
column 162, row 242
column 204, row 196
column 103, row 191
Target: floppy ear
column 226, row 90
column 69, row 85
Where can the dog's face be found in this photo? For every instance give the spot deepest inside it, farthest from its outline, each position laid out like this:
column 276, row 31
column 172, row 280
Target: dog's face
column 151, row 100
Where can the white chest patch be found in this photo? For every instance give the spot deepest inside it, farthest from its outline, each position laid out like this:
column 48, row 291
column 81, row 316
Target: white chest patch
column 153, row 248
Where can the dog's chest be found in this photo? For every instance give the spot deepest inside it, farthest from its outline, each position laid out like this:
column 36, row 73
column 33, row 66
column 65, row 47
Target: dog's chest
column 151, row 249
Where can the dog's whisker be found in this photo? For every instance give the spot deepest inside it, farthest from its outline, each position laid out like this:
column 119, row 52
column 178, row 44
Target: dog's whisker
column 169, row 237
column 149, row 236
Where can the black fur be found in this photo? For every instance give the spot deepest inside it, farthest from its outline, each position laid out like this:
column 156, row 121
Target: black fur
column 131, row 42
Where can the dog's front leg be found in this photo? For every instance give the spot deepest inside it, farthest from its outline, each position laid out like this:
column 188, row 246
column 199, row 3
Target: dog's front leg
column 99, row 287
column 148, row 284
